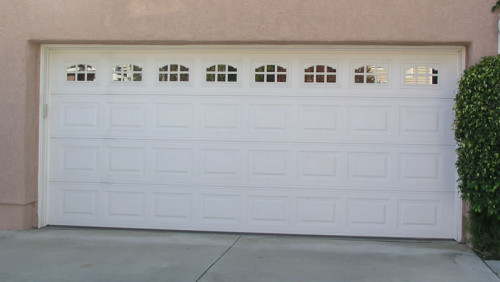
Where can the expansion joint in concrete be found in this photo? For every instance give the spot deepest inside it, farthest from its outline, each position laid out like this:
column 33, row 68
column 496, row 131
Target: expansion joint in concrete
column 227, row 250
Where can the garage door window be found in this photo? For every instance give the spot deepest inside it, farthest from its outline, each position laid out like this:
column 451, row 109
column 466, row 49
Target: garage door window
column 421, row 75
column 127, row 72
column 320, row 74
column 370, row 74
column 221, row 73
column 173, row 73
column 80, row 72
column 270, row 73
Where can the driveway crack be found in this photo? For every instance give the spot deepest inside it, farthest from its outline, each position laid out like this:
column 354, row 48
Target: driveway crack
column 229, row 248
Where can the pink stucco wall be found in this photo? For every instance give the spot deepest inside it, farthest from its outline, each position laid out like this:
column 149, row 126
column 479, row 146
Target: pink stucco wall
column 25, row 24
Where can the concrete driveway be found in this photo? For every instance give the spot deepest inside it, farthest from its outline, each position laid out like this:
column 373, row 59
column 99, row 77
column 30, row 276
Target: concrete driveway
column 57, row 254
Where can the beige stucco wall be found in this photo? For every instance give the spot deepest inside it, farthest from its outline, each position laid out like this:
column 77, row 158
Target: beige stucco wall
column 25, row 24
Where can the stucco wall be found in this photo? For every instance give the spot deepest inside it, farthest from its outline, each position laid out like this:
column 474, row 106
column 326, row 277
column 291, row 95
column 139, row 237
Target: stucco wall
column 25, row 24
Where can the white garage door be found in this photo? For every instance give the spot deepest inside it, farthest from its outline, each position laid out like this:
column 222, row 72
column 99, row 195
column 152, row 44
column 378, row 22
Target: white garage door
column 272, row 140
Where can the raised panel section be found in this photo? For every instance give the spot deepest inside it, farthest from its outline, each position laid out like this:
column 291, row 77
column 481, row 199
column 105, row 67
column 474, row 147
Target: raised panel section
column 368, row 119
column 174, row 115
column 221, row 162
column 174, row 161
column 269, row 117
column 74, row 116
column 221, row 208
column 317, row 119
column 172, row 207
column 418, row 213
column 420, row 167
column 420, row 120
column 79, row 203
column 369, row 166
column 269, row 163
column 80, row 159
column 318, row 165
column 221, row 116
column 127, row 116
column 268, row 210
column 367, row 212
column 75, row 160
column 316, row 211
column 81, row 115
column 126, row 160
column 125, row 204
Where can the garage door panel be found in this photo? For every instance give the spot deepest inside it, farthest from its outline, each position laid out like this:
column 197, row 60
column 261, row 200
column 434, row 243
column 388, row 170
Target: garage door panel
column 425, row 214
column 418, row 213
column 312, row 155
column 221, row 164
column 268, row 210
column 128, row 117
column 173, row 116
column 75, row 116
column 319, row 120
column 422, row 122
column 395, row 121
column 173, row 163
column 421, row 167
column 80, row 204
column 272, row 165
column 79, row 160
column 221, row 209
column 269, row 117
column 171, row 207
column 368, row 213
column 221, row 117
column 317, row 211
column 370, row 166
column 319, row 166
column 250, row 210
column 125, row 161
column 124, row 205
column 369, row 120
column 383, row 167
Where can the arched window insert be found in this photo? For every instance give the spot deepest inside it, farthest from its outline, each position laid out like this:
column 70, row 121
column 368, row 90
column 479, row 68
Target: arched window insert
column 421, row 75
column 127, row 72
column 173, row 73
column 270, row 73
column 320, row 74
column 221, row 73
column 370, row 74
column 80, row 72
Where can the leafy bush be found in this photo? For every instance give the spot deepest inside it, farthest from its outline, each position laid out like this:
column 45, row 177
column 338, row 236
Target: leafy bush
column 485, row 231
column 477, row 132
column 497, row 6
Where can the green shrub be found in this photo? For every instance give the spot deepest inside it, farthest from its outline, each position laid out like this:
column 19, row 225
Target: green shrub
column 485, row 231
column 477, row 132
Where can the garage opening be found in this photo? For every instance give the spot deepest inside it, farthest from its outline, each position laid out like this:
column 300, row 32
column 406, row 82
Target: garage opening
column 352, row 141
